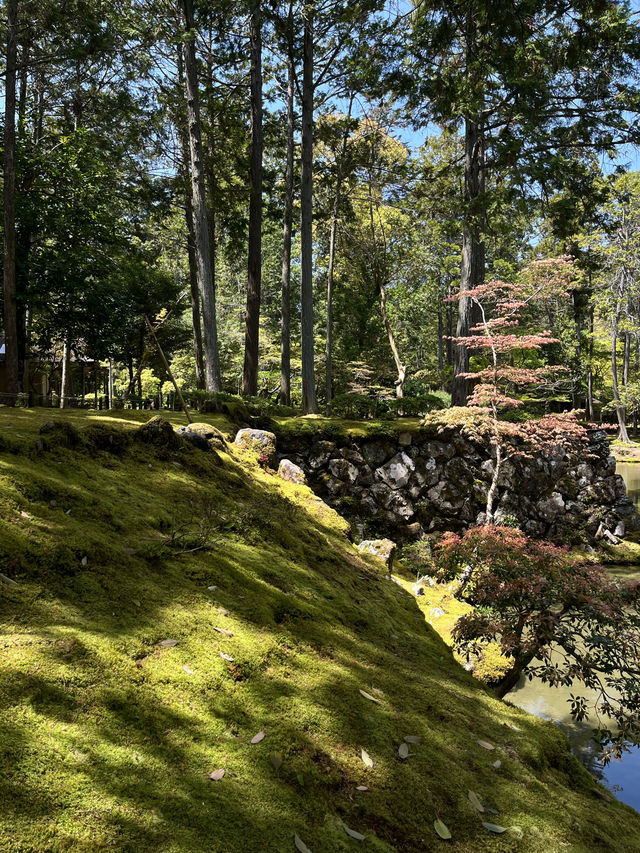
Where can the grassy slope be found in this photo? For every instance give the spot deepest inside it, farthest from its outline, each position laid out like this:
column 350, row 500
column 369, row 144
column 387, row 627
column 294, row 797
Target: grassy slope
column 106, row 737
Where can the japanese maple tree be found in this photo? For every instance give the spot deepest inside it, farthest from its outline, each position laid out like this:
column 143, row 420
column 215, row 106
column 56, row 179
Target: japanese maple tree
column 553, row 617
column 500, row 307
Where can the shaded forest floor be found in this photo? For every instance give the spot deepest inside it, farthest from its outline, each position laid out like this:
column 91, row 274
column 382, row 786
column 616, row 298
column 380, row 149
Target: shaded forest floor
column 108, row 731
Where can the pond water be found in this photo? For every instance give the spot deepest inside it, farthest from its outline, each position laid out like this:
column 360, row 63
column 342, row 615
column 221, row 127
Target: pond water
column 551, row 703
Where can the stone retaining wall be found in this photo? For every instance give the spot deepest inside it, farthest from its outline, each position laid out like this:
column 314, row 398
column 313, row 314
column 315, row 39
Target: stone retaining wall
column 413, row 482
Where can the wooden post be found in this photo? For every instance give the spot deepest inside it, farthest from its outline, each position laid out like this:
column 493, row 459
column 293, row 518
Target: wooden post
column 168, row 369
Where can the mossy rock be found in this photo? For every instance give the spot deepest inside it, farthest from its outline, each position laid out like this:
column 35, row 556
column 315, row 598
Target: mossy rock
column 160, row 433
column 204, row 436
column 106, row 438
column 57, row 433
column 258, row 441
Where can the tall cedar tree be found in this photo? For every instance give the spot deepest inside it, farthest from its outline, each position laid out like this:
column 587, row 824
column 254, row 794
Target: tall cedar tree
column 530, row 82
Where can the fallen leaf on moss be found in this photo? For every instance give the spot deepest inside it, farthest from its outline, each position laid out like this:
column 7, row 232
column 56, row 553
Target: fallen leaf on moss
column 168, row 644
column 493, row 827
column 300, row 845
column 366, row 758
column 223, row 631
column 353, row 833
column 216, row 775
column 403, row 750
column 257, row 738
column 370, row 697
column 413, row 738
column 441, row 829
column 362, row 788
column 276, row 760
column 485, row 745
column 187, row 670
column 225, row 656
column 475, row 801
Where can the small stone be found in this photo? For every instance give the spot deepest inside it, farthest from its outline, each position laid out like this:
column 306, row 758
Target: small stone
column 291, row 473
column 436, row 613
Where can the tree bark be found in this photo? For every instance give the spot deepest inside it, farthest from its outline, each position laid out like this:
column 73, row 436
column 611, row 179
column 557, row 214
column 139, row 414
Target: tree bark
column 254, row 273
column 400, row 367
column 287, row 226
column 203, row 257
column 191, row 242
column 473, row 251
column 9, row 272
column 309, row 401
column 589, row 407
column 620, row 410
column 65, row 374
column 332, row 258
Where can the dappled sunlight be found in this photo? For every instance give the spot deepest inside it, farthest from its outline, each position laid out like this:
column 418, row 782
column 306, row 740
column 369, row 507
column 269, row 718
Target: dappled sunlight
column 111, row 735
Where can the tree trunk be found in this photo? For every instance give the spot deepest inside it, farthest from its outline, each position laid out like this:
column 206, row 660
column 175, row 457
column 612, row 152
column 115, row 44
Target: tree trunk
column 626, row 358
column 254, row 274
column 10, row 312
column 620, row 410
column 400, row 367
column 332, row 257
column 513, row 676
column 65, row 374
column 590, row 410
column 473, row 251
column 191, row 241
column 203, row 257
column 440, row 339
column 309, row 401
column 287, row 225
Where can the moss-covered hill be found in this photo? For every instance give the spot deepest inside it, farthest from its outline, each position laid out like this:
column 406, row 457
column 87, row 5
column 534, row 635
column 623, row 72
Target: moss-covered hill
column 108, row 733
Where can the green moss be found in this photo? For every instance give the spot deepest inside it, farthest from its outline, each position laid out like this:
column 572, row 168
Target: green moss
column 107, row 736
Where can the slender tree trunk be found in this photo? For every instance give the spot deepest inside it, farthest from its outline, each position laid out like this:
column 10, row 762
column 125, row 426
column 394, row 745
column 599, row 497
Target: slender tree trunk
column 191, row 241
column 440, row 339
column 620, row 410
column 590, row 409
column 309, row 401
column 203, row 257
column 65, row 379
column 287, row 226
column 254, row 275
column 626, row 358
column 400, row 367
column 10, row 312
column 332, row 257
column 473, row 251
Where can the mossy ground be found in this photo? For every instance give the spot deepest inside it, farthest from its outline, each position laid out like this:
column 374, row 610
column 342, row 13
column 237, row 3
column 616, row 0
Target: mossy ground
column 107, row 737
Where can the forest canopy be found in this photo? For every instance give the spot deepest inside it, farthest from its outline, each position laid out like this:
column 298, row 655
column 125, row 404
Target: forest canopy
column 294, row 196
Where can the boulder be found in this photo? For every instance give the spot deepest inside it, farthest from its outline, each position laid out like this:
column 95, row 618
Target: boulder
column 258, row 441
column 343, row 470
column 397, row 472
column 290, row 472
column 376, row 453
column 204, row 436
column 160, row 432
column 320, row 453
column 384, row 549
column 551, row 507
